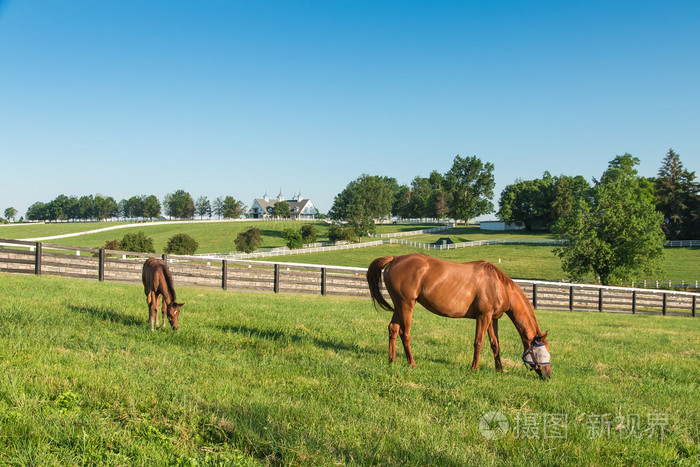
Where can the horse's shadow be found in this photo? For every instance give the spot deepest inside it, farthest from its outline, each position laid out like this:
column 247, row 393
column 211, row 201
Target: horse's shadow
column 106, row 314
column 277, row 335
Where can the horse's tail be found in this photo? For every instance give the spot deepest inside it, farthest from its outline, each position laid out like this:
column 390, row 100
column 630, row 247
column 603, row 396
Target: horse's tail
column 374, row 279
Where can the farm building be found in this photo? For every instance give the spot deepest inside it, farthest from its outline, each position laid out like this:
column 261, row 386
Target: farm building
column 300, row 208
column 499, row 225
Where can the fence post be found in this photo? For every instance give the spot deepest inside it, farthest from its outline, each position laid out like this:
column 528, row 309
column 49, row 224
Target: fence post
column 695, row 302
column 224, row 275
column 165, row 257
column 600, row 299
column 276, row 286
column 323, row 281
column 571, row 298
column 534, row 296
column 663, row 309
column 101, row 267
column 37, row 259
column 634, row 301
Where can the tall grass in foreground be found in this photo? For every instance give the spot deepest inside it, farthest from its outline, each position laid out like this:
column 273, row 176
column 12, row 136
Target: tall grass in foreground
column 256, row 379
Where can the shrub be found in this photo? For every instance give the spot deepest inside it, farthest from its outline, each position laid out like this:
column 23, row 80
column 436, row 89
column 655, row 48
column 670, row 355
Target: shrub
column 337, row 233
column 249, row 240
column 293, row 238
column 181, row 244
column 137, row 242
column 308, row 233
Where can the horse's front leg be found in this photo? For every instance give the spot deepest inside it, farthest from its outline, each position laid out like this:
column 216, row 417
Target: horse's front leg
column 152, row 301
column 495, row 346
column 164, row 310
column 483, row 323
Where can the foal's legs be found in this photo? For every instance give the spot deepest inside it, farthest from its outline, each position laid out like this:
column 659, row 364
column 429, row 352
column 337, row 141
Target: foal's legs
column 164, row 310
column 152, row 300
column 493, row 337
column 483, row 323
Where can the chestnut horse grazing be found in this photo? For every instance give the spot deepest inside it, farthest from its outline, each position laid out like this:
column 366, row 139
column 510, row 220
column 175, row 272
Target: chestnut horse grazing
column 477, row 290
column 157, row 281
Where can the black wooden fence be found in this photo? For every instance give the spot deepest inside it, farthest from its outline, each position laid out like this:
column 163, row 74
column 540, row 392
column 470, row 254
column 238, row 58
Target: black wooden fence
column 107, row 265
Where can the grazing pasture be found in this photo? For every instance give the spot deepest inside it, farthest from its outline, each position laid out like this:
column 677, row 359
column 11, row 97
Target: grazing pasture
column 260, row 379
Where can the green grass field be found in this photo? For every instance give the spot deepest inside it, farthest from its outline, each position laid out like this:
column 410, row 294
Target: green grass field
column 263, row 379
column 519, row 261
column 213, row 237
column 16, row 231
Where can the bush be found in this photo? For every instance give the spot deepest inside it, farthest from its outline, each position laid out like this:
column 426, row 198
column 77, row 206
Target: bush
column 337, row 233
column 137, row 242
column 181, row 244
column 293, row 238
column 249, row 241
column 308, row 233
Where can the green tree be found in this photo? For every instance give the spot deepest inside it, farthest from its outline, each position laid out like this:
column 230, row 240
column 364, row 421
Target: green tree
column 38, row 211
column 470, row 183
column 293, row 238
column 528, row 202
column 421, row 191
column 86, row 207
column 249, row 240
column 105, row 207
column 232, row 208
column 151, row 206
column 678, row 199
column 363, row 200
column 218, row 207
column 179, row 205
column 181, row 244
column 617, row 235
column 308, row 233
column 59, row 208
column 10, row 213
column 137, row 242
column 135, row 207
column 565, row 192
column 281, row 209
column 402, row 201
column 203, row 207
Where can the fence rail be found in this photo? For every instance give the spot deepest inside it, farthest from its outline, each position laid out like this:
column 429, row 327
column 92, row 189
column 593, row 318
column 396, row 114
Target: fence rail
column 265, row 276
column 453, row 246
column 413, row 232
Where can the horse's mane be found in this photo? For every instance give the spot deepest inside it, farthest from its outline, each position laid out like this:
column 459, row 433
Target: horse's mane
column 507, row 282
column 169, row 282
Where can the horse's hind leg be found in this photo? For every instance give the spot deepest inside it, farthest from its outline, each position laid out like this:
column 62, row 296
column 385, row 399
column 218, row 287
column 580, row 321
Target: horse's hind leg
column 495, row 346
column 393, row 334
column 401, row 326
column 405, row 331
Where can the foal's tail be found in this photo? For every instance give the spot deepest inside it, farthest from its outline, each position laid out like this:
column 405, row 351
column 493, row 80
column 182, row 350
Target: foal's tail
column 374, row 279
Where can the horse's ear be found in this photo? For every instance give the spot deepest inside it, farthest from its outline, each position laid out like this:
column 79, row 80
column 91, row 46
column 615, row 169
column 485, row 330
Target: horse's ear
column 544, row 335
column 179, row 305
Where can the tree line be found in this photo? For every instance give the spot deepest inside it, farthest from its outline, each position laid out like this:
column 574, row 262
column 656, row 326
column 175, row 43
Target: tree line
column 177, row 205
column 461, row 193
column 539, row 204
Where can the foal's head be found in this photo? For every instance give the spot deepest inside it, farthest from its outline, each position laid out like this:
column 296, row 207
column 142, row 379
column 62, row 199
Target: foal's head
column 173, row 312
column 537, row 356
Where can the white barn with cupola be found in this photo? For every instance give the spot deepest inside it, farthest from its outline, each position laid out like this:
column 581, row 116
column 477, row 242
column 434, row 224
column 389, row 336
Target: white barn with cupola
column 299, row 207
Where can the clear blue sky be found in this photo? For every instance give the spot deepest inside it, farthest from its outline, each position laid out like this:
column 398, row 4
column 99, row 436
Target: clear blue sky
column 238, row 97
